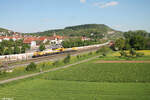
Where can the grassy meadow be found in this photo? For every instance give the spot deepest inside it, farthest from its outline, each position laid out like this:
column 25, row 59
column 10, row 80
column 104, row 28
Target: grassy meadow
column 40, row 89
column 103, row 72
column 86, row 81
column 19, row 71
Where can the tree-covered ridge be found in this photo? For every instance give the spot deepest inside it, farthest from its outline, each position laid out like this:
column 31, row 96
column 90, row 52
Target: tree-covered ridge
column 88, row 30
column 4, row 30
column 89, row 26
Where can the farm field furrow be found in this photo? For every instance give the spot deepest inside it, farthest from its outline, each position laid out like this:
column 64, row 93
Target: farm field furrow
column 40, row 89
column 86, row 81
column 103, row 72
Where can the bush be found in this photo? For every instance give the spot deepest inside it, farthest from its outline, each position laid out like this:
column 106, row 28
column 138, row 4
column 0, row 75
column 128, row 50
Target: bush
column 43, row 65
column 132, row 52
column 1, row 72
column 139, row 54
column 42, row 47
column 67, row 59
column 78, row 56
column 104, row 54
column 123, row 53
column 90, row 53
column 104, row 50
column 31, row 67
column 56, row 63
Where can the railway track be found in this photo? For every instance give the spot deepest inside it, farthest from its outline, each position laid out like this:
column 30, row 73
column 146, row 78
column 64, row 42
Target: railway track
column 50, row 57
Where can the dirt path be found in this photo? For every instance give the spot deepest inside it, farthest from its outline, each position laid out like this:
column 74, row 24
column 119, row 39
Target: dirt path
column 123, row 61
column 54, row 69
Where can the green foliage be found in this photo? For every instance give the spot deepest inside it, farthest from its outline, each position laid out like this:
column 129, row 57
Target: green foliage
column 139, row 40
column 12, row 47
column 67, row 59
column 97, row 30
column 123, row 53
column 132, row 52
column 139, row 54
column 109, row 72
column 16, row 50
column 104, row 50
column 4, row 30
column 1, row 73
column 31, row 67
column 90, row 53
column 42, row 47
column 56, row 63
column 77, row 42
column 8, row 51
column 74, row 90
column 78, row 56
column 120, row 43
column 23, row 49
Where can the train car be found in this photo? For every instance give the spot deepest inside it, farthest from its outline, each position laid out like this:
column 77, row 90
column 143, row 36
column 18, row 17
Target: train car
column 52, row 52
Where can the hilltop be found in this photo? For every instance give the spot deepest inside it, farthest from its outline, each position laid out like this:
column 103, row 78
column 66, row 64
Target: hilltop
column 4, row 30
column 95, row 30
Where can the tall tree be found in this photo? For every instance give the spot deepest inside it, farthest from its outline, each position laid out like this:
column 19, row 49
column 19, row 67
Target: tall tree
column 42, row 47
column 120, row 44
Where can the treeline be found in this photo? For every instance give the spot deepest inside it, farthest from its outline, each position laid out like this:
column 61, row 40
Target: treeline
column 78, row 42
column 13, row 47
column 139, row 40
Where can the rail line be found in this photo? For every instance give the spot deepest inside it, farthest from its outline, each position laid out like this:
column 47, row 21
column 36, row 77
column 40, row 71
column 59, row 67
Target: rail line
column 50, row 57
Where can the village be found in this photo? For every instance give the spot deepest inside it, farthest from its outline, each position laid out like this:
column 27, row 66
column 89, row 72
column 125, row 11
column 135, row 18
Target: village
column 35, row 41
column 49, row 44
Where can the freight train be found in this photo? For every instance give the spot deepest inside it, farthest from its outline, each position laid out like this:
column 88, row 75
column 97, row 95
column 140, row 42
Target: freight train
column 52, row 52
column 26, row 56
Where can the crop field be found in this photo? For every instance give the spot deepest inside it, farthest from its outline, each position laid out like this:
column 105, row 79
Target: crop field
column 146, row 53
column 103, row 72
column 40, row 89
column 86, row 81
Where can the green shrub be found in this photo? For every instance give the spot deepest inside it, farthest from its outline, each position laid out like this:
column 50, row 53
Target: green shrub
column 67, row 59
column 139, row 54
column 97, row 51
column 31, row 67
column 56, row 63
column 132, row 52
column 123, row 53
column 104, row 50
column 1, row 72
column 104, row 54
column 42, row 47
column 90, row 53
column 78, row 56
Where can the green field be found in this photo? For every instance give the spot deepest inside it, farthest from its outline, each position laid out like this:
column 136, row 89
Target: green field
column 86, row 81
column 40, row 89
column 107, row 72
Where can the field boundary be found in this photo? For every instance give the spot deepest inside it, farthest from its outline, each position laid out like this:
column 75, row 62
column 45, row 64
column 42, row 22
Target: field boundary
column 124, row 61
column 54, row 69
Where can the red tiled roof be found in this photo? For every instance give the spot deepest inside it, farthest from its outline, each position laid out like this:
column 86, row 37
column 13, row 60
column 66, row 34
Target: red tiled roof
column 10, row 37
column 30, row 39
column 55, row 37
column 42, row 38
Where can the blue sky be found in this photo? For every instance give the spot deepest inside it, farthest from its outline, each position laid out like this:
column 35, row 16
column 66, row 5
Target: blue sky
column 40, row 15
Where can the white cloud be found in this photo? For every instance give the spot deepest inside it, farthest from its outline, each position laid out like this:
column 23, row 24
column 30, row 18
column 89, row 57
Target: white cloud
column 82, row 1
column 106, row 4
column 118, row 26
column 122, row 27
